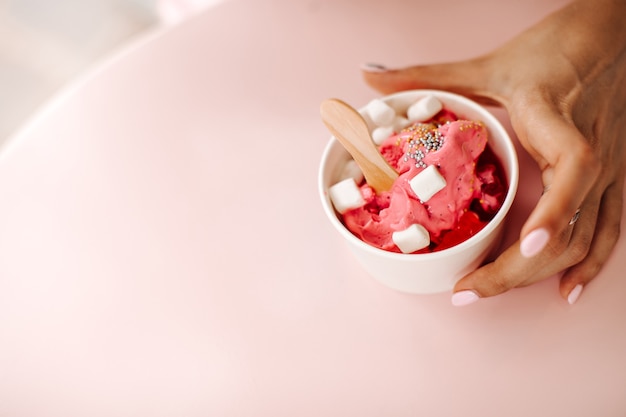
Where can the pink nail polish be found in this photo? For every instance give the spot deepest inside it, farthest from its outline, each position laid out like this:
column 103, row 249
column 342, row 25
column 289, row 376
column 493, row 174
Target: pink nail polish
column 463, row 298
column 369, row 67
column 574, row 294
column 534, row 242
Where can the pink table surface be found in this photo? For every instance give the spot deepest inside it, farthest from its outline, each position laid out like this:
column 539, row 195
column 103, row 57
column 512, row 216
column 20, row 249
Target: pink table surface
column 163, row 251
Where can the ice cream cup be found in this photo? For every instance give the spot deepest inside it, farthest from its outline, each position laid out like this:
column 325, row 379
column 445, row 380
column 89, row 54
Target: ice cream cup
column 438, row 271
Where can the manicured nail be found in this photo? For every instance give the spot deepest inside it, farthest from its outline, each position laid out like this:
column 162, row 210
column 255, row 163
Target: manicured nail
column 369, row 67
column 463, row 298
column 534, row 242
column 574, row 294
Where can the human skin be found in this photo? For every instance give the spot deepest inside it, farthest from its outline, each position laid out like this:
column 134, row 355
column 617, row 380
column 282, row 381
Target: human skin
column 563, row 83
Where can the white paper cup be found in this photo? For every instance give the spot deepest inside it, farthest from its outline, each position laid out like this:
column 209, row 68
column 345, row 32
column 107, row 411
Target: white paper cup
column 438, row 271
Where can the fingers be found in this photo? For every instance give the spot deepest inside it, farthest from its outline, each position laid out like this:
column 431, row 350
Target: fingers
column 511, row 270
column 572, row 168
column 468, row 78
column 580, row 250
column 607, row 231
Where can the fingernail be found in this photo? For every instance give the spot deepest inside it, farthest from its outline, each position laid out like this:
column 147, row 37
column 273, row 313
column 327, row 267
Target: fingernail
column 534, row 242
column 574, row 294
column 463, row 298
column 369, row 67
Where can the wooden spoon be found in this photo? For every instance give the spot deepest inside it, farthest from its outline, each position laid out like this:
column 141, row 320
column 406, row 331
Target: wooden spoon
column 350, row 129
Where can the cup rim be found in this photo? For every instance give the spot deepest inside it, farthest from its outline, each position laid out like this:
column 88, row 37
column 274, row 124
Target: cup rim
column 494, row 126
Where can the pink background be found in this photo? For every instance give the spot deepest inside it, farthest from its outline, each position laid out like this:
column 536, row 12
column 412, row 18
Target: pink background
column 163, row 251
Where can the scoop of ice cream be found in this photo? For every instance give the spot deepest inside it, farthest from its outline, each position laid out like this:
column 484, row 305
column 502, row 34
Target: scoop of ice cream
column 473, row 191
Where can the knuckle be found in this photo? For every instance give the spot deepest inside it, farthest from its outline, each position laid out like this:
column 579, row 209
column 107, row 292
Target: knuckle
column 585, row 156
column 499, row 284
column 558, row 245
column 591, row 269
column 587, row 270
column 578, row 249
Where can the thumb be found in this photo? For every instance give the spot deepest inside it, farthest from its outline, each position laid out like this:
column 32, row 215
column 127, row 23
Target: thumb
column 468, row 78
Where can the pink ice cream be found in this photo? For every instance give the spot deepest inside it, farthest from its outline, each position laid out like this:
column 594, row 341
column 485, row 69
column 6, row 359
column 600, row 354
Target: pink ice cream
column 475, row 185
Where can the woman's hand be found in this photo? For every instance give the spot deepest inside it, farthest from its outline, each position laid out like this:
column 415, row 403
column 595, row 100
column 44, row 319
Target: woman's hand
column 563, row 82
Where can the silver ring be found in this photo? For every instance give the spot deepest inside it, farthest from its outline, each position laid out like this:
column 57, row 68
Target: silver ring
column 575, row 217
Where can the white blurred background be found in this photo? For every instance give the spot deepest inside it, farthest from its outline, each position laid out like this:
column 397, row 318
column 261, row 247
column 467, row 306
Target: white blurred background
column 44, row 44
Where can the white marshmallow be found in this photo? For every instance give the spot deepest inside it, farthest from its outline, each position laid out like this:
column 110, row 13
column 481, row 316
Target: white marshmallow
column 414, row 237
column 424, row 109
column 427, row 183
column 381, row 133
column 380, row 112
column 400, row 123
column 346, row 195
column 352, row 170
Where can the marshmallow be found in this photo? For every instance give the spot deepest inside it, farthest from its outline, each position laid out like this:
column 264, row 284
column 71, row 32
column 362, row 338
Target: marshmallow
column 381, row 133
column 380, row 112
column 352, row 170
column 424, row 109
column 400, row 123
column 411, row 239
column 346, row 195
column 427, row 183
